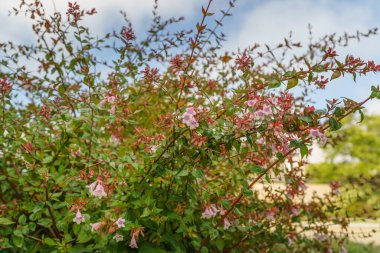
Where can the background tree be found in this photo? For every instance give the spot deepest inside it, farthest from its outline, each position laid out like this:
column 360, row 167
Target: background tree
column 354, row 160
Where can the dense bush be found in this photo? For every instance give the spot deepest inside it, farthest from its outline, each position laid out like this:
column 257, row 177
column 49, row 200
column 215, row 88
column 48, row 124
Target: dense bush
column 158, row 147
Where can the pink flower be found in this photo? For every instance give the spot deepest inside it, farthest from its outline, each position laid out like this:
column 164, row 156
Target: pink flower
column 114, row 140
column 91, row 186
column 103, row 101
column 260, row 114
column 190, row 110
column 260, row 141
column 96, row 189
column 320, row 237
column 227, row 223
column 296, row 210
column 267, row 110
column 99, row 191
column 133, row 243
column 108, row 99
column 188, row 118
column 342, row 249
column 118, row 237
column 79, row 218
column 250, row 103
column 193, row 124
column 271, row 213
column 210, row 212
column 314, row 133
column 96, row 226
column 112, row 110
column 120, row 223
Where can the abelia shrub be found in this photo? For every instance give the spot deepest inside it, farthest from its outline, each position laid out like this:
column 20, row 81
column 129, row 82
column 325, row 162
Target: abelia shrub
column 161, row 146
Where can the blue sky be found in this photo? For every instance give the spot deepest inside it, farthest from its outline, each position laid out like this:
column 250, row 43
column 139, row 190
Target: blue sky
column 253, row 21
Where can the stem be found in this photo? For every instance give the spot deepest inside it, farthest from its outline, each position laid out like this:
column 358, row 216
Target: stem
column 54, row 224
column 194, row 46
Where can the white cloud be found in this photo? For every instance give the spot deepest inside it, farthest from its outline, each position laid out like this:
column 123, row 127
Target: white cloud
column 373, row 107
column 107, row 18
column 272, row 20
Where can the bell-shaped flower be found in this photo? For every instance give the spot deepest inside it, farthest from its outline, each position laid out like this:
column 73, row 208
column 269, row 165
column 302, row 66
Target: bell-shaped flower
column 79, row 218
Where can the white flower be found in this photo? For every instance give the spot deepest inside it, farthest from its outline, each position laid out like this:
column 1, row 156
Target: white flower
column 118, row 237
column 120, row 223
column 79, row 218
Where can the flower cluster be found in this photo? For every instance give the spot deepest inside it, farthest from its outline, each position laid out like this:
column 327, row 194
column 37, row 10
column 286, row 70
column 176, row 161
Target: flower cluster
column 111, row 99
column 127, row 33
column 210, row 211
column 96, row 189
column 189, row 118
column 315, row 133
column 244, row 62
column 5, row 86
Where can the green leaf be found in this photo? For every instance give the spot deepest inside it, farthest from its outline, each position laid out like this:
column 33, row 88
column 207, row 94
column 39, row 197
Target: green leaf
column 338, row 112
column 214, row 233
column 18, row 240
column 334, row 124
column 375, row 92
column 183, row 173
column 304, row 150
column 361, row 116
column 256, row 169
column 319, row 68
column 274, row 84
column 310, row 77
column 48, row 159
column 48, row 241
column 145, row 213
column 226, row 203
column 84, row 236
column 198, row 173
column 336, row 74
column 305, row 118
column 292, row 83
column 22, row 219
column 45, row 222
column 129, row 160
column 5, row 222
column 289, row 73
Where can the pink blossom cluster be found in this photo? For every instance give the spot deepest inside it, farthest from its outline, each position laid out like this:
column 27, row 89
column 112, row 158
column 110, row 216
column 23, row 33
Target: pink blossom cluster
column 188, row 118
column 111, row 99
column 266, row 110
column 211, row 211
column 5, row 86
column 96, row 189
column 315, row 133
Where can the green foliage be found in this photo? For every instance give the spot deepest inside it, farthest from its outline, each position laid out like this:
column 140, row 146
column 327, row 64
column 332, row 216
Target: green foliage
column 159, row 147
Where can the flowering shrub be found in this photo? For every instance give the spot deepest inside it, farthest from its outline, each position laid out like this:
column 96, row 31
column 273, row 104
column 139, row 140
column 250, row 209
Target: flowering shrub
column 159, row 149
